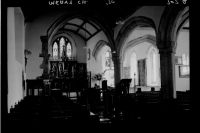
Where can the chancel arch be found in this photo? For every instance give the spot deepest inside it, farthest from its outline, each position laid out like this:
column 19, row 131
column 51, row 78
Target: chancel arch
column 86, row 26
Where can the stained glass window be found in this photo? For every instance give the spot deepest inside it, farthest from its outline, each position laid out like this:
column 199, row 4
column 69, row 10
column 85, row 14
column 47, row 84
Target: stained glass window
column 62, row 47
column 62, row 44
column 69, row 50
column 55, row 50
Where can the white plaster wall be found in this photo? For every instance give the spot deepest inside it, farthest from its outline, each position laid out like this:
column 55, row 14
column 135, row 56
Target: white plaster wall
column 140, row 32
column 95, row 65
column 81, row 49
column 141, row 51
column 34, row 29
column 182, row 84
column 15, row 51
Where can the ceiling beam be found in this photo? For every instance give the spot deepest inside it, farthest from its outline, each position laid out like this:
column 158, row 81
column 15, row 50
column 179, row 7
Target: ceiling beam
column 69, row 30
column 186, row 28
column 79, row 27
column 92, row 25
column 93, row 34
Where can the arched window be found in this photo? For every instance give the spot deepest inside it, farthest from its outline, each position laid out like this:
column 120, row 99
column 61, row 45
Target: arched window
column 62, row 44
column 107, row 65
column 69, row 50
column 153, row 67
column 62, row 48
column 133, row 69
column 108, row 59
column 55, row 50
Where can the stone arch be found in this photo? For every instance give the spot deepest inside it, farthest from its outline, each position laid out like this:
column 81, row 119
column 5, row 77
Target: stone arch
column 176, row 33
column 63, row 19
column 147, row 38
column 166, row 39
column 129, row 26
column 170, row 23
column 156, row 69
column 98, row 46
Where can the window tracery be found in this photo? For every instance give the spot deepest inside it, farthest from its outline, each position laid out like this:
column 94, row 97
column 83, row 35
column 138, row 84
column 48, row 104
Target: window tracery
column 62, row 48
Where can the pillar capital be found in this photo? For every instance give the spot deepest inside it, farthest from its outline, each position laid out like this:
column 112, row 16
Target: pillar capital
column 115, row 56
column 44, row 39
column 167, row 50
column 166, row 46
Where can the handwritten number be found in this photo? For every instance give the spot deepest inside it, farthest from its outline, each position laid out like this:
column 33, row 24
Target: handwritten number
column 184, row 1
column 168, row 3
column 172, row 2
column 110, row 2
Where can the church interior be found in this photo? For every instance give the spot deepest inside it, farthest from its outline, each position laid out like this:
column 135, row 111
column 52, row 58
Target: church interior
column 103, row 66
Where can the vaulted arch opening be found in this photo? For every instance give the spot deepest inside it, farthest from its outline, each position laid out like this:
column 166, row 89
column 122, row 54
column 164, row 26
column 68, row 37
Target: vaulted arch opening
column 173, row 44
column 102, row 63
column 84, row 38
column 140, row 60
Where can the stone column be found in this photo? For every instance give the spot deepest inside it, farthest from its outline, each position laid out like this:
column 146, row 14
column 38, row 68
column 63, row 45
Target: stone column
column 167, row 72
column 45, row 55
column 116, row 62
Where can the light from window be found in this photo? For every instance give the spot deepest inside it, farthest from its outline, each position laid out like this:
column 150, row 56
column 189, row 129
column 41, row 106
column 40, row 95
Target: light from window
column 62, row 48
column 62, row 44
column 55, row 50
column 108, row 59
column 69, row 50
column 185, row 69
column 153, row 64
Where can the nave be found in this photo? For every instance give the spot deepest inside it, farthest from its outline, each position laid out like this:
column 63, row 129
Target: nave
column 82, row 69
column 61, row 113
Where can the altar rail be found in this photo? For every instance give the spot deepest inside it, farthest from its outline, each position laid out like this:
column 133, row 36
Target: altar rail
column 37, row 87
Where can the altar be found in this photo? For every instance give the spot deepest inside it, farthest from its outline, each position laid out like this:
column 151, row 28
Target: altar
column 61, row 67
